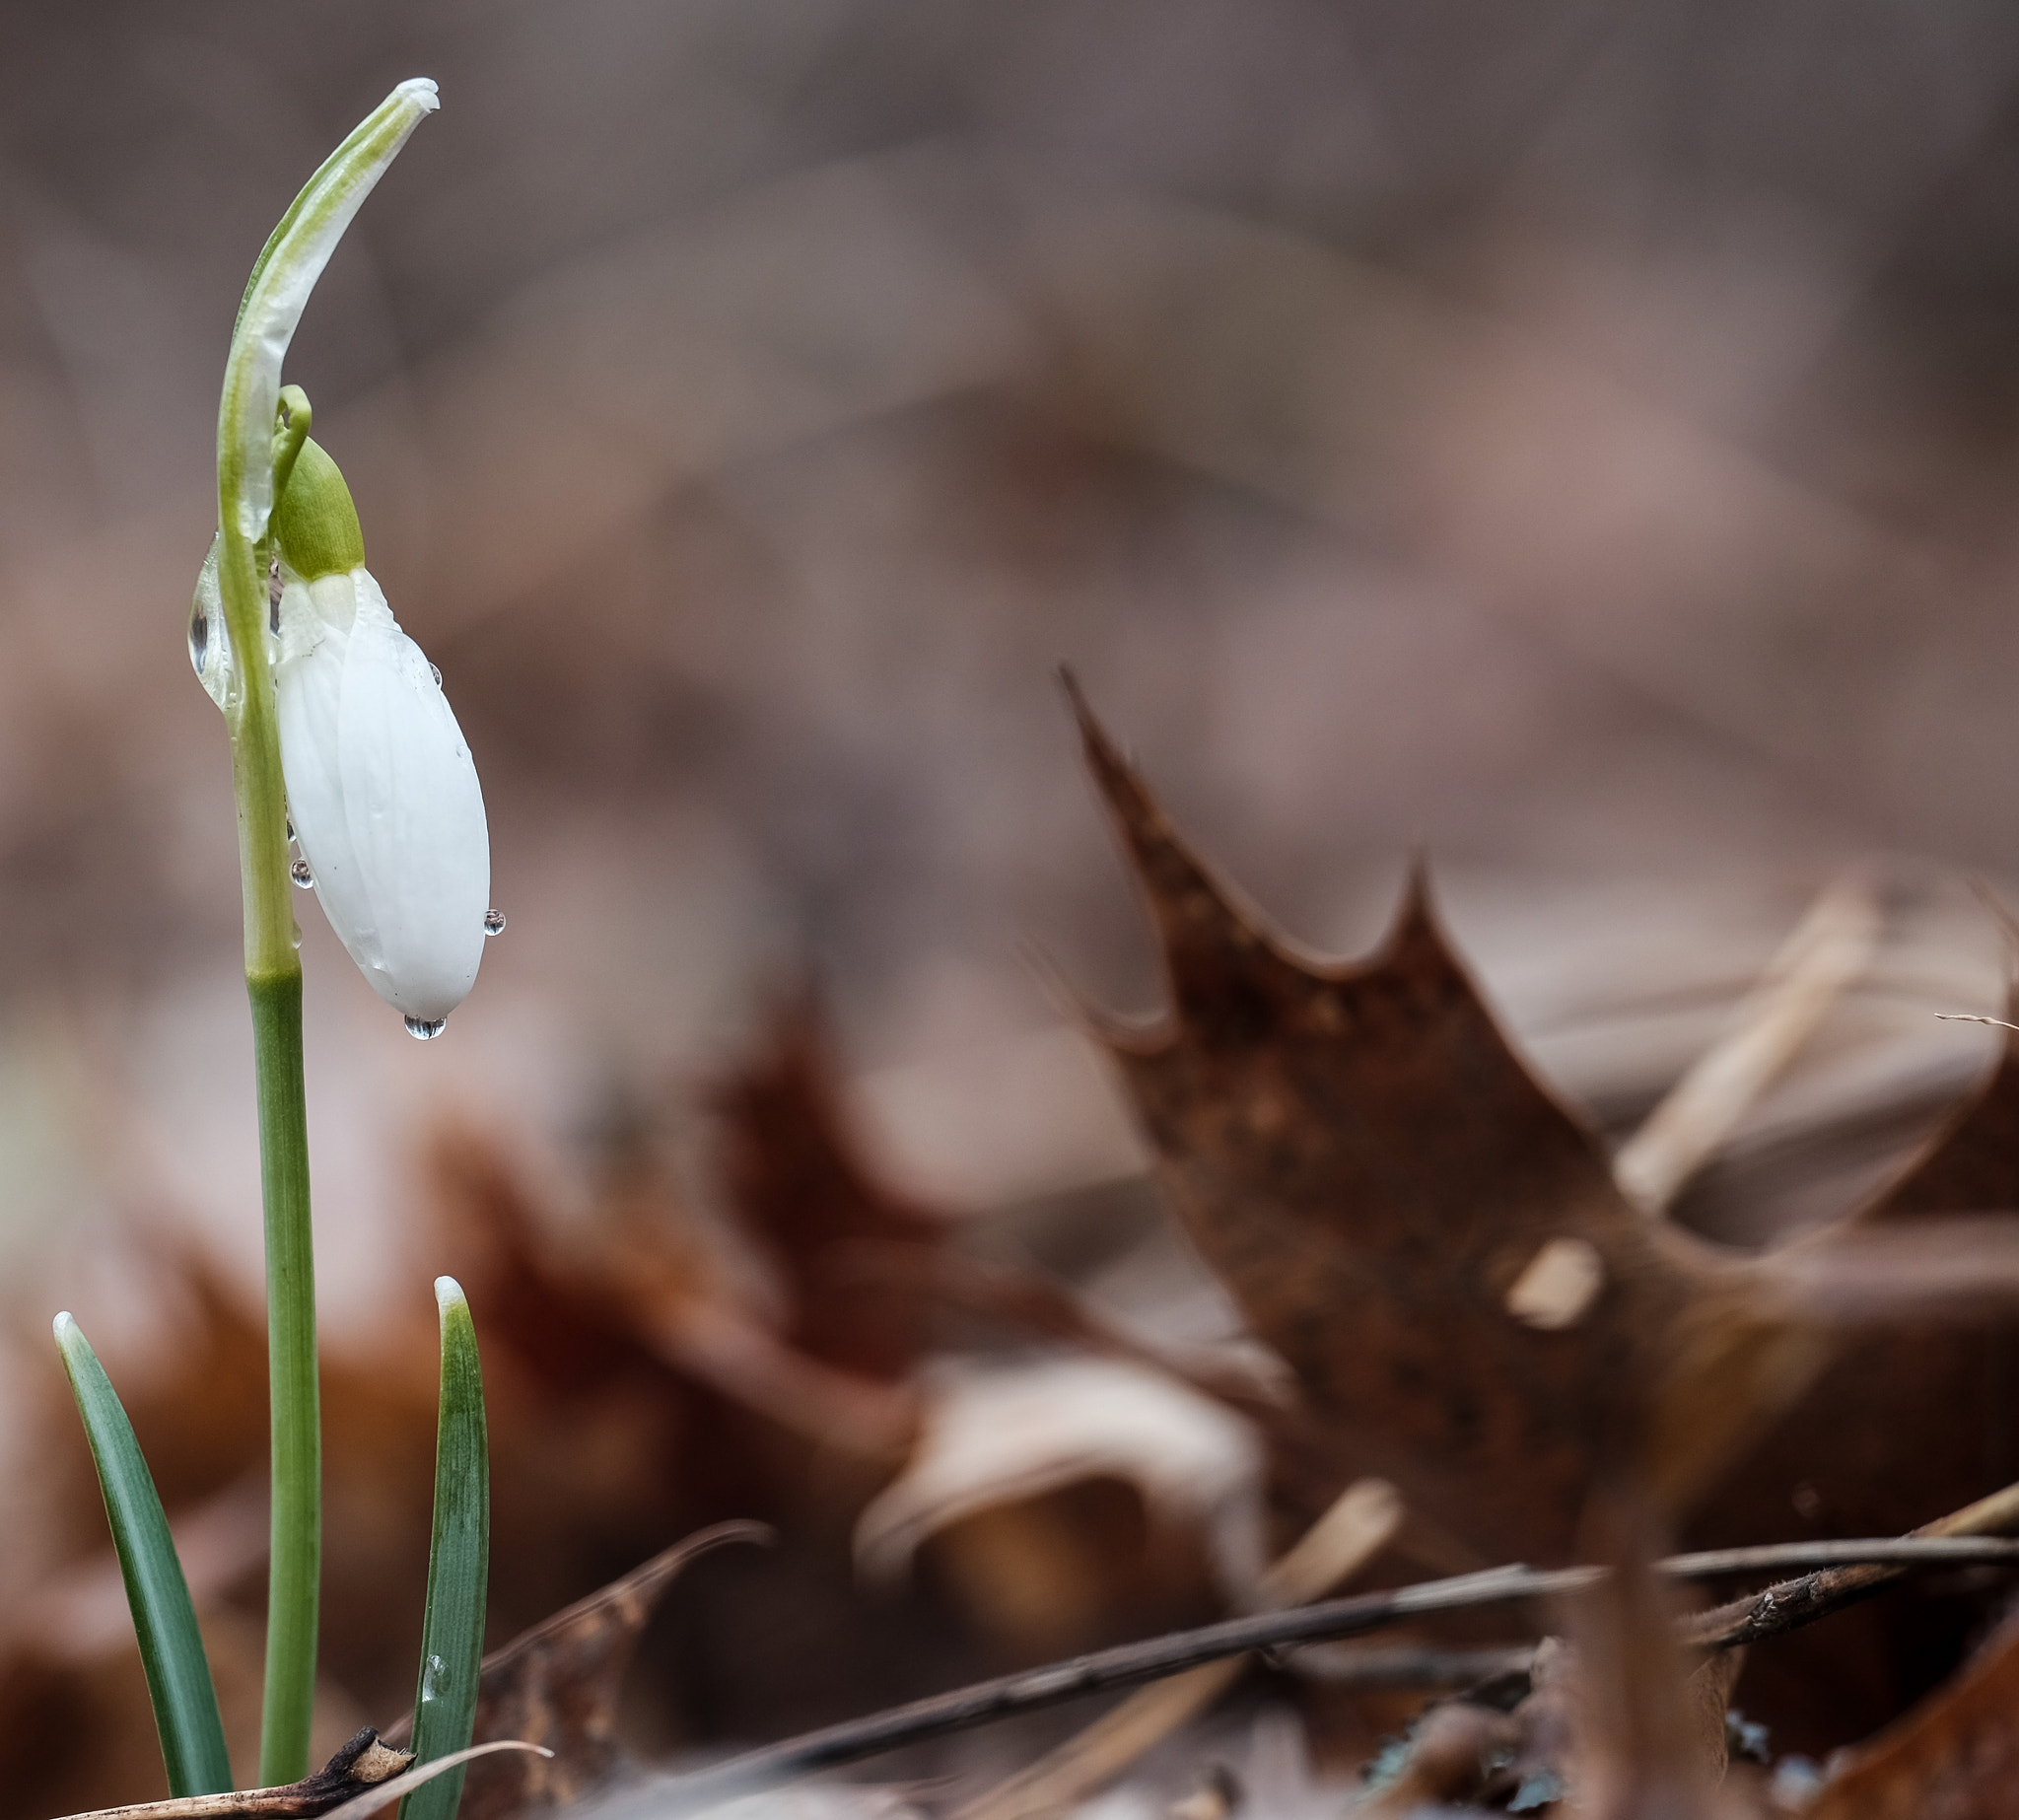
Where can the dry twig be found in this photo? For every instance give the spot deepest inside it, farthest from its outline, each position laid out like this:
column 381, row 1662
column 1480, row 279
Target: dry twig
column 1349, row 1534
column 1966, row 1535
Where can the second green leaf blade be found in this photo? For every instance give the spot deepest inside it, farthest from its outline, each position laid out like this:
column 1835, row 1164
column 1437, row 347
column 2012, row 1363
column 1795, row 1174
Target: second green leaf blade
column 179, row 1679
column 459, row 1561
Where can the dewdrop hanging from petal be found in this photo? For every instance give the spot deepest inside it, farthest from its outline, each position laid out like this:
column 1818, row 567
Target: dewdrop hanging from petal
column 382, row 789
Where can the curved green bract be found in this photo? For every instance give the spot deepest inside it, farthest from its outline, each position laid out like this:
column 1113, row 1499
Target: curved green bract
column 459, row 1564
column 171, row 1647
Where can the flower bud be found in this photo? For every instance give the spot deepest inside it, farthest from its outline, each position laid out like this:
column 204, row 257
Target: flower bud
column 381, row 786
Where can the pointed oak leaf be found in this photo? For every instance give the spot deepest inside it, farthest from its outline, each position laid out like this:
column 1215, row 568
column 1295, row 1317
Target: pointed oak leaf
column 1360, row 1156
column 795, row 1176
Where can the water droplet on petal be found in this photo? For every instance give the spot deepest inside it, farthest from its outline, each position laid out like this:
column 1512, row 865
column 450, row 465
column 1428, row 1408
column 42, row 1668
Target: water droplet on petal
column 494, row 921
column 426, row 1028
column 435, row 671
column 291, row 827
column 299, row 872
column 199, row 635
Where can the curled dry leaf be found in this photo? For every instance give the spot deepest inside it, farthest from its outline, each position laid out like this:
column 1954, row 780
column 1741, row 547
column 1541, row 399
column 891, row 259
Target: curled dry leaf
column 994, row 1435
column 383, row 1795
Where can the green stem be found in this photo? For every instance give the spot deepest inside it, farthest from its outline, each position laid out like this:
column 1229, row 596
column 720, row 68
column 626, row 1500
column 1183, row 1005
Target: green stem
column 294, row 1568
column 273, row 981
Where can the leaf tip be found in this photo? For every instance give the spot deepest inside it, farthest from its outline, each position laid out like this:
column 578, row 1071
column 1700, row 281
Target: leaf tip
column 1110, row 769
column 1121, row 787
column 448, row 1293
column 1416, row 924
column 423, row 92
column 63, row 1326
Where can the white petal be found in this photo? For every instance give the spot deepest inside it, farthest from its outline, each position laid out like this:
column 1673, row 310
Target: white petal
column 383, row 795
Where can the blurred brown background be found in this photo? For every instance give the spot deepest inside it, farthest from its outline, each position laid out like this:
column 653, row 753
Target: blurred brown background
column 1579, row 440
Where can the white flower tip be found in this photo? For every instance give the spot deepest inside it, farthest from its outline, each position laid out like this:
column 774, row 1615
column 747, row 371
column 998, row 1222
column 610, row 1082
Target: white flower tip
column 422, row 91
column 448, row 1292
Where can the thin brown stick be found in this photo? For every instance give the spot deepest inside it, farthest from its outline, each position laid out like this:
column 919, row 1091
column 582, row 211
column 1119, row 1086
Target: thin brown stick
column 1122, row 1666
column 1902, row 1552
column 322, row 1793
column 1179, row 1651
column 361, row 1763
column 1376, row 1665
column 1350, row 1533
column 1793, row 1603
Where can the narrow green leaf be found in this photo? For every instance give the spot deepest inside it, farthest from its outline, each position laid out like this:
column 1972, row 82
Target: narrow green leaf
column 458, row 1562
column 171, row 1647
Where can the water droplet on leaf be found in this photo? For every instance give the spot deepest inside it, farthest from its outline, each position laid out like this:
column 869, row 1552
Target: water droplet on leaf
column 426, row 1028
column 494, row 921
column 199, row 637
column 436, row 1670
column 299, row 872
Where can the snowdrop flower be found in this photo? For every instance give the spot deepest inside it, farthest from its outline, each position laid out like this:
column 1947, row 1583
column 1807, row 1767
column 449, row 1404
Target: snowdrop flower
column 340, row 714
column 381, row 786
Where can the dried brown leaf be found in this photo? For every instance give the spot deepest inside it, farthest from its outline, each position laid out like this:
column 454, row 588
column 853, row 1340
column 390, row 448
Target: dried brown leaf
column 1362, row 1157
column 1954, row 1757
column 796, row 1177
column 556, row 1687
column 1900, row 1420
column 1943, row 1381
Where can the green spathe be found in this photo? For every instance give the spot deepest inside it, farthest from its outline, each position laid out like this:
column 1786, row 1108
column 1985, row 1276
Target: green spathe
column 316, row 524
